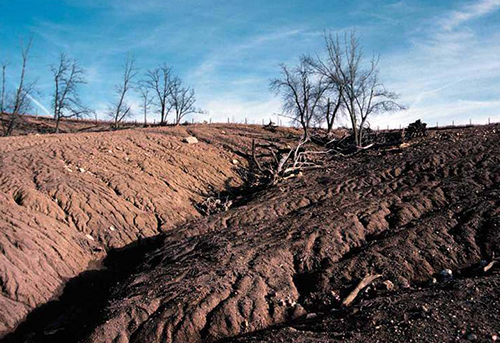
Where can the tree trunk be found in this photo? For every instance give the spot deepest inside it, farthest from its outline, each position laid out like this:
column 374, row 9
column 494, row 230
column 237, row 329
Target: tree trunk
column 12, row 124
column 57, row 123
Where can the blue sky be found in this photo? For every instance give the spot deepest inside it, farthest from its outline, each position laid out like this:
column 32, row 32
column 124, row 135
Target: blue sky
column 443, row 57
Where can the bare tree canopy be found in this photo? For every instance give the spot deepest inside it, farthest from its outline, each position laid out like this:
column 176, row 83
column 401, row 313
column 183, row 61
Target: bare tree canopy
column 146, row 101
column 121, row 109
column 301, row 91
column 182, row 100
column 66, row 102
column 21, row 102
column 159, row 81
column 357, row 82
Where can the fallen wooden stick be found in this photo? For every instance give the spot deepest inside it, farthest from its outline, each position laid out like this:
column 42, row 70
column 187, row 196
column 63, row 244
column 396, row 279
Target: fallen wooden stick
column 489, row 266
column 362, row 284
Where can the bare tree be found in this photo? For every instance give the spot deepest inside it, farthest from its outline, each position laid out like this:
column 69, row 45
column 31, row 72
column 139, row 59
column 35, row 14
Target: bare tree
column 3, row 95
column 66, row 102
column 182, row 100
column 159, row 81
column 121, row 109
column 22, row 96
column 147, row 100
column 363, row 95
column 329, row 110
column 302, row 93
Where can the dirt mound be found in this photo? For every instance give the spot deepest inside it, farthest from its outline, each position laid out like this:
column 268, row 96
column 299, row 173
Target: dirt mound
column 65, row 200
column 296, row 250
column 33, row 125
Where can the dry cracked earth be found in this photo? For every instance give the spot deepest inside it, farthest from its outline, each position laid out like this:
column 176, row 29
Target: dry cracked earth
column 101, row 240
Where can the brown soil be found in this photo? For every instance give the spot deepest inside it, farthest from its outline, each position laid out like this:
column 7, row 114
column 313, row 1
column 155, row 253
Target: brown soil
column 33, row 125
column 272, row 269
column 67, row 199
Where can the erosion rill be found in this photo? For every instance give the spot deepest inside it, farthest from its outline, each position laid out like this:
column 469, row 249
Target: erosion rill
column 347, row 253
column 67, row 199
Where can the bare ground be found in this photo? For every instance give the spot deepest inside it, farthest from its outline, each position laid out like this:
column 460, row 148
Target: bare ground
column 276, row 268
column 67, row 199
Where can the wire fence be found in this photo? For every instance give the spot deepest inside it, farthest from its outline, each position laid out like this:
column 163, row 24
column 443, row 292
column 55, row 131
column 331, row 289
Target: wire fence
column 231, row 120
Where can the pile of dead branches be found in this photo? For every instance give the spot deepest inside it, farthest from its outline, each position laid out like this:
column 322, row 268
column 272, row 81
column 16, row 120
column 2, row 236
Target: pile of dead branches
column 416, row 129
column 270, row 127
column 212, row 205
column 273, row 163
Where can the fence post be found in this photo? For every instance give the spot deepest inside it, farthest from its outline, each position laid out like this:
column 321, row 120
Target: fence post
column 387, row 127
column 489, row 121
column 228, row 120
column 452, row 123
column 437, row 124
column 470, row 121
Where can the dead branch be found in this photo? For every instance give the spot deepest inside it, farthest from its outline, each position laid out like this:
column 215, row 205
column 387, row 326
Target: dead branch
column 213, row 205
column 362, row 284
column 489, row 266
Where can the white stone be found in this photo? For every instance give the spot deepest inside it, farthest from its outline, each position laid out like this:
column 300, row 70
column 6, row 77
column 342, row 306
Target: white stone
column 190, row 140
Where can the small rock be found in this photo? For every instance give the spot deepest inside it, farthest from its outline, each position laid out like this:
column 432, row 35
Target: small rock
column 81, row 170
column 298, row 311
column 446, row 274
column 89, row 237
column 388, row 285
column 223, row 132
column 112, row 228
column 190, row 140
column 403, row 282
column 311, row 315
column 471, row 337
column 494, row 338
column 236, row 162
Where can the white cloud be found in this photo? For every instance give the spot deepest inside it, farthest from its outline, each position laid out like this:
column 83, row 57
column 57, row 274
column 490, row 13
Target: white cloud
column 469, row 12
column 449, row 74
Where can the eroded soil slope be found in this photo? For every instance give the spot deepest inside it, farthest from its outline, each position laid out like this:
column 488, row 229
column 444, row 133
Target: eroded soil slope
column 295, row 250
column 65, row 200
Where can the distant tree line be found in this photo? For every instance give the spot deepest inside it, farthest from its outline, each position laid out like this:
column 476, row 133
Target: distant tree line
column 320, row 88
column 159, row 89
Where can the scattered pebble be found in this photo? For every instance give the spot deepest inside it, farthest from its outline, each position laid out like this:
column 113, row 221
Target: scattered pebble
column 311, row 315
column 81, row 170
column 388, row 285
column 89, row 237
column 446, row 274
column 112, row 228
column 471, row 337
column 298, row 311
